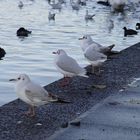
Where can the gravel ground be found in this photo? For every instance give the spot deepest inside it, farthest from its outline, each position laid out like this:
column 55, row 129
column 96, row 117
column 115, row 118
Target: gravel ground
column 117, row 73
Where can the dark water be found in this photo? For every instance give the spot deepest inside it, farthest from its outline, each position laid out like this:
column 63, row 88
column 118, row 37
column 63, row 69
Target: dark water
column 33, row 55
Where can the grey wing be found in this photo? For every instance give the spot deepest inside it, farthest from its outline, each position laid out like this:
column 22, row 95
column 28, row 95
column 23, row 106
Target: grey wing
column 93, row 55
column 68, row 64
column 34, row 91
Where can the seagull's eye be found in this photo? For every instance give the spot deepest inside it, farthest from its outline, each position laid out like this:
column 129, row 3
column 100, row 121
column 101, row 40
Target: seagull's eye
column 84, row 37
column 58, row 51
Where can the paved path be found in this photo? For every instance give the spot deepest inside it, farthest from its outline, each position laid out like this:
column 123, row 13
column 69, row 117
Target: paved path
column 116, row 118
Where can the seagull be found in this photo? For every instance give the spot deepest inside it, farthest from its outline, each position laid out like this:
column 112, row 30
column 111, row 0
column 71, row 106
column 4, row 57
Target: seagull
column 81, row 2
column 68, row 66
column 86, row 41
column 20, row 5
column 89, row 17
column 117, row 5
column 129, row 32
column 51, row 16
column 75, row 5
column 56, row 5
column 33, row 94
column 95, row 58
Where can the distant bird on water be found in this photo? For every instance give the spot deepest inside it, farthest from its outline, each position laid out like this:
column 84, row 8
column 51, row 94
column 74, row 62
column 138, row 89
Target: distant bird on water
column 57, row 5
column 33, row 94
column 117, row 5
column 51, row 16
column 75, row 5
column 68, row 66
column 20, row 5
column 137, row 26
column 129, row 32
column 23, row 32
column 2, row 52
column 88, row 16
column 105, row 3
column 81, row 2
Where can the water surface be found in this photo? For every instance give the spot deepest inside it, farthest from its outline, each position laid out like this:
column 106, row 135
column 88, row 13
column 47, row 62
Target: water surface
column 33, row 55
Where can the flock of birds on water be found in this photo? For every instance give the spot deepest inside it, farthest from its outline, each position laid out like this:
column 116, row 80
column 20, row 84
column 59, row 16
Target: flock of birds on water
column 95, row 53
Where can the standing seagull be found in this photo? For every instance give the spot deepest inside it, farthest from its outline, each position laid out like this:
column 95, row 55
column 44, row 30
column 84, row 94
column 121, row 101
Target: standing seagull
column 94, row 57
column 68, row 66
column 33, row 94
column 86, row 41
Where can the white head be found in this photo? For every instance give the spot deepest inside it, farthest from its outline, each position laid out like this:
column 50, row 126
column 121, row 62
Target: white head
column 22, row 78
column 86, row 39
column 60, row 52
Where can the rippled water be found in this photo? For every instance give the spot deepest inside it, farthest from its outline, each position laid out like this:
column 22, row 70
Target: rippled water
column 33, row 55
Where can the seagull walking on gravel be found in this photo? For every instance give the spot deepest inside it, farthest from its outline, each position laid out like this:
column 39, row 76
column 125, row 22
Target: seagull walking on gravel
column 68, row 66
column 33, row 94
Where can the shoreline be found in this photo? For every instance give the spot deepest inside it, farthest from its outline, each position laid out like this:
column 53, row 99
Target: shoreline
column 117, row 73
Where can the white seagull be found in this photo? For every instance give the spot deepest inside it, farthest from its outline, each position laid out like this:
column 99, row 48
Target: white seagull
column 51, row 16
column 57, row 6
column 88, row 16
column 86, row 41
column 32, row 93
column 75, row 5
column 68, row 66
column 20, row 5
column 94, row 57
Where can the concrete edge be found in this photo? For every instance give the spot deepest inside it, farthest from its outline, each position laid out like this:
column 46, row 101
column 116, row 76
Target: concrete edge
column 82, row 116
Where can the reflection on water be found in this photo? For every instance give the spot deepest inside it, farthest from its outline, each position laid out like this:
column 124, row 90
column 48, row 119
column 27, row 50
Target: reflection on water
column 33, row 55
